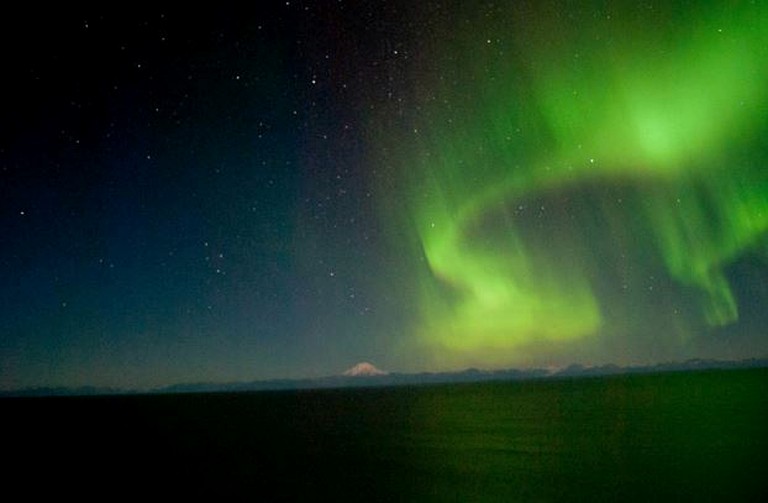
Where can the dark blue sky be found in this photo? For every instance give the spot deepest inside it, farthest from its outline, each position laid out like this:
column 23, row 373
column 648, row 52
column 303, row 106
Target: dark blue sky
column 185, row 197
column 225, row 194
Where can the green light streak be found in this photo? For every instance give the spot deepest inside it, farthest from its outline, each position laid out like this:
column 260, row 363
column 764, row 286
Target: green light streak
column 674, row 111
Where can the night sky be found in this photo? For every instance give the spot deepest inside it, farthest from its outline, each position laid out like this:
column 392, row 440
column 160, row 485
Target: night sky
column 288, row 189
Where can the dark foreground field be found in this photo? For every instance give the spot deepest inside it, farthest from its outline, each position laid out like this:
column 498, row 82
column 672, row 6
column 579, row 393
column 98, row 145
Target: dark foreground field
column 691, row 436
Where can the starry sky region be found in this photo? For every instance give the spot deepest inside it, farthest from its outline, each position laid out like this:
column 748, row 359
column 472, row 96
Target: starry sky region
column 285, row 189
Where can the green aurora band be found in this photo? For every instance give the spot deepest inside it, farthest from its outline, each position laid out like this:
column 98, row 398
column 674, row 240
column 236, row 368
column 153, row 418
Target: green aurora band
column 561, row 152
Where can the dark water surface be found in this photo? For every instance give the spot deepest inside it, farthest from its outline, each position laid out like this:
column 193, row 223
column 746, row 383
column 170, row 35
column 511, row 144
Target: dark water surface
column 685, row 436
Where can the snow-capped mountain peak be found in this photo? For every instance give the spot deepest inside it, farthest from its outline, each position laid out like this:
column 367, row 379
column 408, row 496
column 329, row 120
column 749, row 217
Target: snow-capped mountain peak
column 364, row 369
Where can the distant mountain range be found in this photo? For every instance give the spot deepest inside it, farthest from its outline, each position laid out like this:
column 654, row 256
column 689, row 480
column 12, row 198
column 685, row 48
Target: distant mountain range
column 366, row 375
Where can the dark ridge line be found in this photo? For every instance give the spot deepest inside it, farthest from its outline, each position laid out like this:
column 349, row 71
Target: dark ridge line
column 470, row 375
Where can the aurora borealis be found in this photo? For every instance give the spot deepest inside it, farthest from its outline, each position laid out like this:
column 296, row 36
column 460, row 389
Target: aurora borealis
column 587, row 145
column 288, row 189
